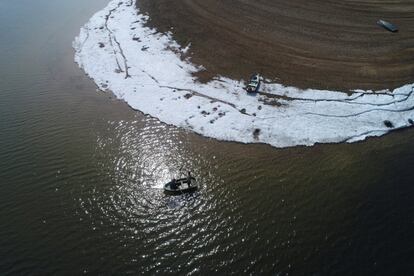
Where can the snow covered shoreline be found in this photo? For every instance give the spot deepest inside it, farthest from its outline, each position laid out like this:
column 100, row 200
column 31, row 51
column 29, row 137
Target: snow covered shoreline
column 145, row 69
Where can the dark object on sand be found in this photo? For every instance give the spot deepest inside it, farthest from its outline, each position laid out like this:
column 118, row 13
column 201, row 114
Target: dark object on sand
column 387, row 25
column 388, row 124
column 254, row 83
column 181, row 186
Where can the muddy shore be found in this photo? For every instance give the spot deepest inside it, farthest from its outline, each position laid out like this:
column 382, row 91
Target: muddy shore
column 318, row 44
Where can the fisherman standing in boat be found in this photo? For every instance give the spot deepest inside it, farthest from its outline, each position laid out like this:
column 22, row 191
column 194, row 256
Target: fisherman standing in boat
column 173, row 184
column 189, row 179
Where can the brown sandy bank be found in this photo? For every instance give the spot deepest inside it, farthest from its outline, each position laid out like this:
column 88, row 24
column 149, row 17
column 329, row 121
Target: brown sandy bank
column 318, row 44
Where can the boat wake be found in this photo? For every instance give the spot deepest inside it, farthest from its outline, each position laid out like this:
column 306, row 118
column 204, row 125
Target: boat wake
column 150, row 72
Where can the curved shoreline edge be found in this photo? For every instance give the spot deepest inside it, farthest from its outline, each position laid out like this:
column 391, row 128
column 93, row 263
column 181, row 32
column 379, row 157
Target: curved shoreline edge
column 147, row 70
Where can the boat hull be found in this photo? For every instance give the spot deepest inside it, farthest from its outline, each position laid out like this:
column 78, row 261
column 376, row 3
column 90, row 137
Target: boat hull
column 388, row 26
column 182, row 188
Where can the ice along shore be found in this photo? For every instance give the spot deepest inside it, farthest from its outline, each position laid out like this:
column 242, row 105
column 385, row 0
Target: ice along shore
column 147, row 69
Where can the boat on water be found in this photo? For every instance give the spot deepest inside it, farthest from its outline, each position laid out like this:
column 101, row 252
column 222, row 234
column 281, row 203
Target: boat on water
column 181, row 186
column 387, row 25
column 254, row 83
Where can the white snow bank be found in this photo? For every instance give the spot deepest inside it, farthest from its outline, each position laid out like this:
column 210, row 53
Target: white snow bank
column 145, row 69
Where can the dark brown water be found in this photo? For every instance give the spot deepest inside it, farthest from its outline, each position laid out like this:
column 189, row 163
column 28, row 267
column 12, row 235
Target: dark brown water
column 81, row 173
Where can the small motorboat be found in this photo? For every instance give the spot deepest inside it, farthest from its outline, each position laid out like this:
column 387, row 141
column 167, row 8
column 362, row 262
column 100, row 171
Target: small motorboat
column 254, row 83
column 181, row 186
column 387, row 25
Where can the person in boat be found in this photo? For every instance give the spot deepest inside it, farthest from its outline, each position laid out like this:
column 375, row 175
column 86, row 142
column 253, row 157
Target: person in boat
column 189, row 179
column 174, row 184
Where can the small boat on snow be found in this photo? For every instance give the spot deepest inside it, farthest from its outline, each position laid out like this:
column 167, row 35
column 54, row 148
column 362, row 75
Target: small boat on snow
column 181, row 186
column 254, row 83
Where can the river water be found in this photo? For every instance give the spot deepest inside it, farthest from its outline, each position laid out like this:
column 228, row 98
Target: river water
column 81, row 176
